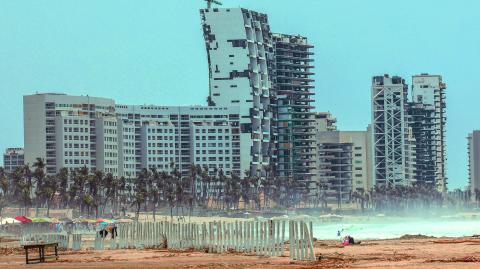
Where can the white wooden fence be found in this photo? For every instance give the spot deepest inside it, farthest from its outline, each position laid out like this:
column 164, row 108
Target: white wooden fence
column 262, row 238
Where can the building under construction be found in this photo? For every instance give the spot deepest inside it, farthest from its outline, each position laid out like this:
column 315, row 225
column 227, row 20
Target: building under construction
column 428, row 120
column 334, row 166
column 393, row 143
column 409, row 136
column 292, row 99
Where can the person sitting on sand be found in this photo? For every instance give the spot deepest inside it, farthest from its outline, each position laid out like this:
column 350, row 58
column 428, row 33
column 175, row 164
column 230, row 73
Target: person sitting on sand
column 348, row 240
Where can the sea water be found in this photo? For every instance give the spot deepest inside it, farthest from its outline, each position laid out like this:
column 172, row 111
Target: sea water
column 394, row 228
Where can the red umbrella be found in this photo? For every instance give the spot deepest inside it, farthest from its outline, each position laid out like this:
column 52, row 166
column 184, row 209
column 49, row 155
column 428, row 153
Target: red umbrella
column 23, row 219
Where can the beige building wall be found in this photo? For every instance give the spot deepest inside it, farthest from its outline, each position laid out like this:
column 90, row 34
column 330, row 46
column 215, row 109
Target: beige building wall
column 361, row 177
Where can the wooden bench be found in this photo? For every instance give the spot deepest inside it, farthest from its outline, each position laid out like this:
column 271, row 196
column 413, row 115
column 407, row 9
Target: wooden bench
column 41, row 252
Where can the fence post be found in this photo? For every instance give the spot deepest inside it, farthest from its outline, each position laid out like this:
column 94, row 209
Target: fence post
column 309, row 235
column 290, row 239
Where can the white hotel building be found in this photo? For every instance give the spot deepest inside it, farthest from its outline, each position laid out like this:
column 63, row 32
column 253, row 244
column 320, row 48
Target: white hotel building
column 81, row 131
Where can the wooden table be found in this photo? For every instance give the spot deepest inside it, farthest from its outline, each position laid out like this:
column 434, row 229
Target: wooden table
column 41, row 252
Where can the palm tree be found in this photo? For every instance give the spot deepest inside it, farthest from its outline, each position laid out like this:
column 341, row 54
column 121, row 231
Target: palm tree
column 219, row 186
column 140, row 194
column 39, row 175
column 95, row 182
column 195, row 170
column 108, row 191
column 268, row 183
column 48, row 190
column 245, row 188
column 28, row 176
column 154, row 190
column 205, row 183
column 4, row 183
column 121, row 193
column 169, row 192
column 22, row 187
column 62, row 178
column 88, row 201
column 74, row 189
column 82, row 177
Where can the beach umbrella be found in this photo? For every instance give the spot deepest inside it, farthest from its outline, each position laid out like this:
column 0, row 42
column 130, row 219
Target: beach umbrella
column 40, row 220
column 23, row 219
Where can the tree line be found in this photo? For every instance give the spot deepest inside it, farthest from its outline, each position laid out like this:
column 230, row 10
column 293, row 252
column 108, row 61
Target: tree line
column 95, row 193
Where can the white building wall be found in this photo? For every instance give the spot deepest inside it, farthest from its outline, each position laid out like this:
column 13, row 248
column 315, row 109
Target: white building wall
column 126, row 149
column 212, row 145
column 181, row 120
column 72, row 142
column 158, row 146
column 107, row 145
column 239, row 44
column 42, row 112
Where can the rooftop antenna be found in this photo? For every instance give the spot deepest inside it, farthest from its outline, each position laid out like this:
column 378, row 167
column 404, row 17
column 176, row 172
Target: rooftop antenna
column 210, row 2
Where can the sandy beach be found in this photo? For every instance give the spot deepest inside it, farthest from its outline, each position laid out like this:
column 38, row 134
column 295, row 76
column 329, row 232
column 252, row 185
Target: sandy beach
column 411, row 252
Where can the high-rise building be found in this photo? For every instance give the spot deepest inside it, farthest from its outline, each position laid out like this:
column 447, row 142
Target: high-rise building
column 240, row 50
column 361, row 177
column 334, row 166
column 82, row 131
column 428, row 122
column 474, row 161
column 62, row 130
column 343, row 157
column 12, row 159
column 291, row 102
column 392, row 140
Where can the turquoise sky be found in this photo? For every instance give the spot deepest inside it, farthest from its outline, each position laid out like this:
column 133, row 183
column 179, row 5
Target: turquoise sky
column 139, row 52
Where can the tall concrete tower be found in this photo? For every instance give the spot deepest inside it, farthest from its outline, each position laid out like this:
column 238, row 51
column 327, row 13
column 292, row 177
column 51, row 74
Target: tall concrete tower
column 239, row 48
column 392, row 140
column 292, row 104
column 428, row 118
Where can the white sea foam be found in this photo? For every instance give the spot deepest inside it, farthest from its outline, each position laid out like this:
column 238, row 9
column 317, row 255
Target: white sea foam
column 394, row 228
